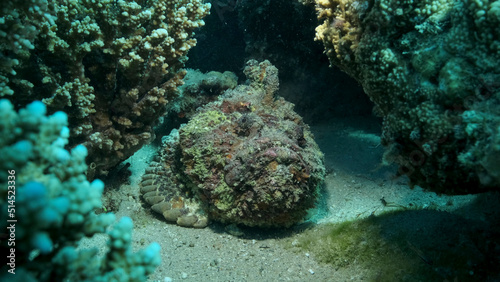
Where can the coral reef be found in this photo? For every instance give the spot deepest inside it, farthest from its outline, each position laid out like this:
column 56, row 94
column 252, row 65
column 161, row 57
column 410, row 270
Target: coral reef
column 432, row 69
column 112, row 66
column 50, row 206
column 17, row 35
column 200, row 89
column 246, row 158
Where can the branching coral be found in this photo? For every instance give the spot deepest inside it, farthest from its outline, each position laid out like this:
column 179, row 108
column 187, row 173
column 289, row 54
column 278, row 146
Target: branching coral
column 50, row 206
column 111, row 65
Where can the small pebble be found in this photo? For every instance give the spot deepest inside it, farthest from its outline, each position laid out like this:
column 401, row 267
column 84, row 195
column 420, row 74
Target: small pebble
column 311, row 271
column 215, row 262
column 184, row 275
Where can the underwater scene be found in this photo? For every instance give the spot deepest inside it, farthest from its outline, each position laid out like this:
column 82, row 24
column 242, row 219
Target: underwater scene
column 250, row 140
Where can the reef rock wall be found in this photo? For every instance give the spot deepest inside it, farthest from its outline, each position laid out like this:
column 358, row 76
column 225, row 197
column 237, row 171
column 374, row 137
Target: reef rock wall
column 112, row 66
column 432, row 68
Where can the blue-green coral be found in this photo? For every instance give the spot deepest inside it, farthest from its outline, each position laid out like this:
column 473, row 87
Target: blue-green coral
column 432, row 69
column 45, row 189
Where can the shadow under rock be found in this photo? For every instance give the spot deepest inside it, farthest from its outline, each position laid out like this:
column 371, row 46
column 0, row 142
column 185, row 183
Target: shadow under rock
column 449, row 245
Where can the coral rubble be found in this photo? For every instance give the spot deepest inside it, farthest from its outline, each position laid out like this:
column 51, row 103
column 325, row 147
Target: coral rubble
column 246, row 158
column 432, row 69
column 112, row 66
column 45, row 194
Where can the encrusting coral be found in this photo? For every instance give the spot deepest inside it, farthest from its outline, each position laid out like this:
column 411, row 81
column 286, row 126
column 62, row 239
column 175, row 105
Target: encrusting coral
column 246, row 158
column 45, row 192
column 432, row 69
column 112, row 66
column 200, row 89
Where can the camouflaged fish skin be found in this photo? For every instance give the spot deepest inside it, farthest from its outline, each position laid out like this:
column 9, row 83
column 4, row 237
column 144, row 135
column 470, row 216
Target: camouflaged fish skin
column 246, row 158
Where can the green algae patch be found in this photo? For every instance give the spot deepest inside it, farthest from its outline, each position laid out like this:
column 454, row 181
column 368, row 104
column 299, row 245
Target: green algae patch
column 358, row 243
column 205, row 122
column 410, row 245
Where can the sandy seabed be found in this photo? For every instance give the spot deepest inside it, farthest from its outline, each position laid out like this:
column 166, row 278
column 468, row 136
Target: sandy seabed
column 355, row 184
